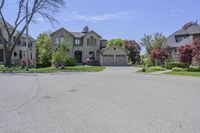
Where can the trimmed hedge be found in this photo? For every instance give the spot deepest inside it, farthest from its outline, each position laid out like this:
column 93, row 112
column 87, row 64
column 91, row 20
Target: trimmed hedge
column 178, row 69
column 171, row 65
column 152, row 69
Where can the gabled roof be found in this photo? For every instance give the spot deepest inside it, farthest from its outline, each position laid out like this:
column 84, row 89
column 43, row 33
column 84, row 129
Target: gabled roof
column 17, row 31
column 189, row 29
column 94, row 33
column 192, row 29
column 60, row 30
column 171, row 41
column 78, row 34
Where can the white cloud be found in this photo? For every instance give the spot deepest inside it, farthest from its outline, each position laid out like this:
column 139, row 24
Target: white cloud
column 173, row 12
column 98, row 18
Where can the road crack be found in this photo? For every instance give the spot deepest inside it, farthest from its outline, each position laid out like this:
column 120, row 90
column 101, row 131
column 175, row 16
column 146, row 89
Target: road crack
column 29, row 101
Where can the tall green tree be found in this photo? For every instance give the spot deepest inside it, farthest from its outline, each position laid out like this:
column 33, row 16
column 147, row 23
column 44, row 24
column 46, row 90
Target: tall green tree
column 44, row 49
column 154, row 41
column 117, row 41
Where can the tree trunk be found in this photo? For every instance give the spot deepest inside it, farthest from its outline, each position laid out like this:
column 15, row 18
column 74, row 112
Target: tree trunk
column 8, row 56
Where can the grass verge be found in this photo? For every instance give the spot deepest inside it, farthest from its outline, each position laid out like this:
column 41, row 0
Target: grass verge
column 54, row 69
column 185, row 73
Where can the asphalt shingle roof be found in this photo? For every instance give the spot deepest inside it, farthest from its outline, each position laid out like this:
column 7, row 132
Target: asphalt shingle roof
column 191, row 30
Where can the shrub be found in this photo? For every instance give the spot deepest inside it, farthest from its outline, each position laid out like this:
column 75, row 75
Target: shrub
column 185, row 54
column 23, row 63
column 178, row 69
column 196, row 52
column 170, row 65
column 156, row 68
column 148, row 61
column 194, row 69
column 60, row 56
column 2, row 68
column 159, row 55
column 70, row 62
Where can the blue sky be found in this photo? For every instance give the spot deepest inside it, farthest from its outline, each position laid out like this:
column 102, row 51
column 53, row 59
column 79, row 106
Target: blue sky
column 127, row 19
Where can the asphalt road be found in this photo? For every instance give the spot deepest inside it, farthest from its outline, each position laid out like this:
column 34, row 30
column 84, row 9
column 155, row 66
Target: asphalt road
column 117, row 100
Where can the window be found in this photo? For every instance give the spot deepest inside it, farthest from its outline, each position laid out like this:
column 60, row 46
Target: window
column 15, row 54
column 1, row 55
column 62, row 40
column 91, row 55
column 30, row 45
column 20, row 54
column 77, row 42
column 23, row 43
column 88, row 41
column 95, row 42
column 1, row 40
column 31, row 56
column 92, row 40
column 57, row 40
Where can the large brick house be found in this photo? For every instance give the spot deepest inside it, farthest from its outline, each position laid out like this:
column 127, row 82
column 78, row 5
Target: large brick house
column 186, row 35
column 19, row 51
column 88, row 45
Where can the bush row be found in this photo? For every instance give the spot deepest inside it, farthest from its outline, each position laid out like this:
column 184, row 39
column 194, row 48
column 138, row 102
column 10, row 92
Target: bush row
column 170, row 65
column 153, row 69
column 190, row 69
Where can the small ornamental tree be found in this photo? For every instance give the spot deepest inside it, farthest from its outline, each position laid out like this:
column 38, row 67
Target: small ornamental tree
column 185, row 54
column 196, row 52
column 159, row 55
column 60, row 56
column 134, row 50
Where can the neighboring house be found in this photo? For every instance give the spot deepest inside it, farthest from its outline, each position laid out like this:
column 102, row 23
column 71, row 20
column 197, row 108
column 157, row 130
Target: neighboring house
column 185, row 35
column 83, row 46
column 19, row 52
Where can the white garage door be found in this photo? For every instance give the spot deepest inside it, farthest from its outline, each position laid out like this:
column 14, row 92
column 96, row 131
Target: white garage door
column 108, row 60
column 121, row 60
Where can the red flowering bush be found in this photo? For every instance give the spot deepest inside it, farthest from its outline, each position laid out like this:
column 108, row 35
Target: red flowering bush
column 23, row 63
column 196, row 51
column 159, row 54
column 185, row 54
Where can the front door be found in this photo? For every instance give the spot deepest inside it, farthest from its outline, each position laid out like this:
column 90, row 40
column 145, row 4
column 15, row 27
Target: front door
column 78, row 56
column 1, row 55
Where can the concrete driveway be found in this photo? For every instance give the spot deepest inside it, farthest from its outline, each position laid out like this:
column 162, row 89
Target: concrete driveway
column 117, row 100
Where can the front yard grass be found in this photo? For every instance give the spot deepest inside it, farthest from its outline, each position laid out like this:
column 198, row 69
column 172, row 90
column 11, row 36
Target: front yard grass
column 54, row 69
column 185, row 73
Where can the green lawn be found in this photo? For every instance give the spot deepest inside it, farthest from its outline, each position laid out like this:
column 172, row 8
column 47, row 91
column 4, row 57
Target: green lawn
column 196, row 74
column 67, row 69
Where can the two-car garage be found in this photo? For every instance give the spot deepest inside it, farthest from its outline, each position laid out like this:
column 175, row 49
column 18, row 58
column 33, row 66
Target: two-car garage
column 114, row 56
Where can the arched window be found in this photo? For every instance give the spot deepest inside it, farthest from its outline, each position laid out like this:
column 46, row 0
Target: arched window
column 92, row 40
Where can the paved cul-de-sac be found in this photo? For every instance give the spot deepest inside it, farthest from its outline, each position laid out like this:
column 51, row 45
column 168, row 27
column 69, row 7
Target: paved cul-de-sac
column 116, row 100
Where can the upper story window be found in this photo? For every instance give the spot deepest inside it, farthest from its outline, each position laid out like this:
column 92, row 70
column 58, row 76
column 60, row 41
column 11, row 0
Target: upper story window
column 88, row 41
column 57, row 40
column 180, row 38
column 62, row 39
column 77, row 42
column 91, row 41
column 30, row 45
